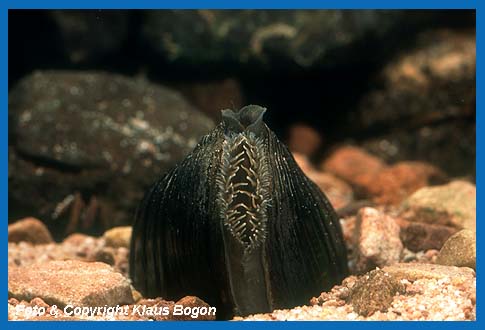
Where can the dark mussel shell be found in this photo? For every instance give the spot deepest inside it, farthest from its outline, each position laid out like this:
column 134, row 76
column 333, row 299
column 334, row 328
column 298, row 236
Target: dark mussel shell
column 238, row 224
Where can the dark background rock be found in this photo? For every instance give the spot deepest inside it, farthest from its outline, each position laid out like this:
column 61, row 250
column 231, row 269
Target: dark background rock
column 315, row 78
column 439, row 58
column 92, row 34
column 303, row 38
column 425, row 107
column 450, row 145
column 85, row 146
column 275, row 38
column 68, row 39
column 310, row 66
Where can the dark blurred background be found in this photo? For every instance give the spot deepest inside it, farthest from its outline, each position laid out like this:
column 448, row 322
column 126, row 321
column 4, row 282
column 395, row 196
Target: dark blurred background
column 102, row 102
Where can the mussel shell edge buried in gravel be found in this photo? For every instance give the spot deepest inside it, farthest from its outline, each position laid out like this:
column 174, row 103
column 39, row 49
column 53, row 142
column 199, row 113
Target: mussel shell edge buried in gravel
column 238, row 224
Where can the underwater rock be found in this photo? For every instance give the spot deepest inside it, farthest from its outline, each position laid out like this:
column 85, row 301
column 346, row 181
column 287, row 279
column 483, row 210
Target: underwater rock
column 448, row 144
column 70, row 39
column 238, row 224
column 424, row 107
column 394, row 183
column 29, row 230
column 118, row 237
column 372, row 178
column 377, row 240
column 89, row 136
column 106, row 255
column 459, row 250
column 353, row 164
column 374, row 292
column 116, row 257
column 96, row 284
column 348, row 229
column 68, row 36
column 302, row 37
column 304, row 139
column 278, row 38
column 418, row 236
column 439, row 71
column 453, row 204
column 90, row 35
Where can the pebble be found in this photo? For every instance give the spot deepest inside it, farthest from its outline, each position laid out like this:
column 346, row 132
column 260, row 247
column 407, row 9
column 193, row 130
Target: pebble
column 118, row 237
column 372, row 178
column 304, row 139
column 378, row 242
column 417, row 236
column 353, row 164
column 453, row 204
column 374, row 292
column 459, row 250
column 394, row 183
column 70, row 282
column 29, row 230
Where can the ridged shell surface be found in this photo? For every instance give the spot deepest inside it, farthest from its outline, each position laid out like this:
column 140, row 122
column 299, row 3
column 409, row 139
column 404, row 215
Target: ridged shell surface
column 238, row 224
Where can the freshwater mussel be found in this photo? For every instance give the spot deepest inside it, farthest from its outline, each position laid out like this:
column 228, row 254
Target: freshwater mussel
column 238, row 224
